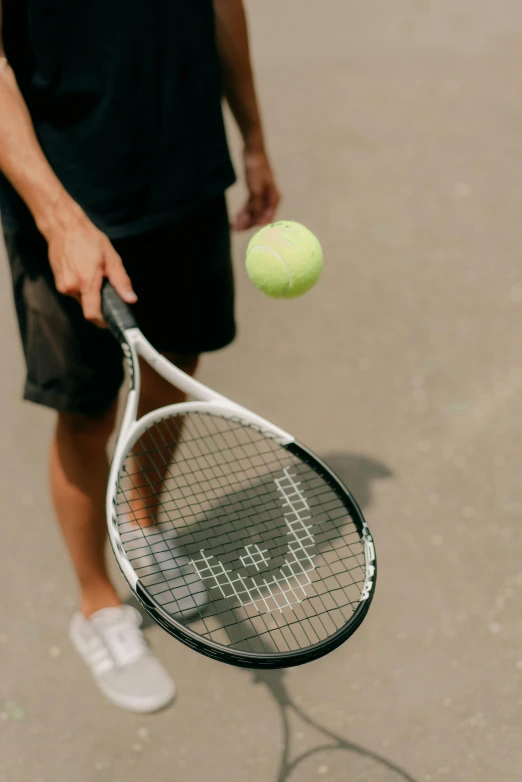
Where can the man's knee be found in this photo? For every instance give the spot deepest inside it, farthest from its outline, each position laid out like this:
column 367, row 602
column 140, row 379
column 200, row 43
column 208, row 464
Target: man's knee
column 158, row 392
column 90, row 428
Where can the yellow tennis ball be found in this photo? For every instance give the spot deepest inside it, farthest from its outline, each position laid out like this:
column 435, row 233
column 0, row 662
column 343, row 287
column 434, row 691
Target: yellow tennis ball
column 284, row 260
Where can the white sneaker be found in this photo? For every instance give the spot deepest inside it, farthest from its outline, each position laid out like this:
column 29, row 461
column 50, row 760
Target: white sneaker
column 120, row 659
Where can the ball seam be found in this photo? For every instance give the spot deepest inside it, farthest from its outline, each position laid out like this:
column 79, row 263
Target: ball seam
column 281, row 259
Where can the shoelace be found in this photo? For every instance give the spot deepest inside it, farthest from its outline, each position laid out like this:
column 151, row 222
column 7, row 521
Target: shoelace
column 121, row 633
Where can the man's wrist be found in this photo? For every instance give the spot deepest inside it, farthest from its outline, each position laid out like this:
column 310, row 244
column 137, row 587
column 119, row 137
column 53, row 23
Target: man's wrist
column 56, row 213
column 254, row 140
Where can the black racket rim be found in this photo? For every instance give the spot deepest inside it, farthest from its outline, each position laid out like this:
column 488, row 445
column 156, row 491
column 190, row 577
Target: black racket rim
column 274, row 660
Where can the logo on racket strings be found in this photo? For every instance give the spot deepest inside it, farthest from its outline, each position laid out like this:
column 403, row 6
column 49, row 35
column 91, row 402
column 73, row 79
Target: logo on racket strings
column 288, row 587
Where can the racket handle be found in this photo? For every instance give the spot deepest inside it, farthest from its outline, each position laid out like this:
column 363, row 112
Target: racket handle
column 117, row 314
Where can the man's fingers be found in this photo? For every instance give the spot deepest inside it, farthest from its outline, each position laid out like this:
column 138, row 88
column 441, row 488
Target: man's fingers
column 270, row 203
column 68, row 283
column 243, row 220
column 274, row 197
column 257, row 203
column 269, row 215
column 119, row 278
column 91, row 299
column 260, row 209
column 91, row 305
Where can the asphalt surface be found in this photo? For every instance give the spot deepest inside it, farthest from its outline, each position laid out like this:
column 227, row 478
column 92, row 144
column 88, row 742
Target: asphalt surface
column 396, row 130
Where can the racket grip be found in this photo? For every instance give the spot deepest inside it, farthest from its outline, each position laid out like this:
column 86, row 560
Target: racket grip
column 117, row 314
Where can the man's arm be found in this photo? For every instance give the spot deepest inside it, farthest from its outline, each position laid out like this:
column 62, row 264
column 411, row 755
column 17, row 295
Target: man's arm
column 80, row 255
column 238, row 82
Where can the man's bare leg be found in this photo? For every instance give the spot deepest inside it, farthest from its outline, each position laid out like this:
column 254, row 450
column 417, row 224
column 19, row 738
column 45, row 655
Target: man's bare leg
column 153, row 463
column 79, row 470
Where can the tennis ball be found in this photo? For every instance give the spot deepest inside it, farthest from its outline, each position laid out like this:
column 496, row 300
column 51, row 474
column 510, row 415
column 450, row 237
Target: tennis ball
column 284, row 260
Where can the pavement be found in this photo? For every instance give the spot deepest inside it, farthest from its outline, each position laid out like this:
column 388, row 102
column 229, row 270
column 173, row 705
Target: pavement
column 396, row 131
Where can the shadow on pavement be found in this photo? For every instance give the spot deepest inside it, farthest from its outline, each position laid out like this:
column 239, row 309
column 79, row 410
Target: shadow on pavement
column 331, row 755
column 358, row 473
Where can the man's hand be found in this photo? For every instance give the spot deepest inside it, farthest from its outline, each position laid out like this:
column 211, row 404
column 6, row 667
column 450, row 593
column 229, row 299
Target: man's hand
column 264, row 197
column 81, row 257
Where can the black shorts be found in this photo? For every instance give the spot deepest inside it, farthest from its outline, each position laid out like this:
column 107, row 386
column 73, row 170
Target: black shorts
column 182, row 275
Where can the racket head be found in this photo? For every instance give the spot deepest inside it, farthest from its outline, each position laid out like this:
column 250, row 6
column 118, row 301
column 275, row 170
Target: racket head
column 254, row 520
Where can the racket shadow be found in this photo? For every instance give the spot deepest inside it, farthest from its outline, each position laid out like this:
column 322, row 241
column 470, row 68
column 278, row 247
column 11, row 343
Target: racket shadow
column 332, row 752
column 334, row 756
column 251, row 518
column 357, row 472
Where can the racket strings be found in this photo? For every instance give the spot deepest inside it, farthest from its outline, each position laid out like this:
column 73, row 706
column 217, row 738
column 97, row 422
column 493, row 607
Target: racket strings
column 257, row 634
column 225, row 625
column 162, row 474
column 268, row 541
column 261, row 500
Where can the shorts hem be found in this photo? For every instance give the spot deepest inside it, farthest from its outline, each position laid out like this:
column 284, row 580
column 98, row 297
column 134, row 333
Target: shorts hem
column 193, row 350
column 63, row 403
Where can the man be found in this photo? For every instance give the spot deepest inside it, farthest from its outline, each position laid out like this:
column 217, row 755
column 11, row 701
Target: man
column 115, row 164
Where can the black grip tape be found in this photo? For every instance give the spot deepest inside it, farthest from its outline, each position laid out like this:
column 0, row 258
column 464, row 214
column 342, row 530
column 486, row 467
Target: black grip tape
column 116, row 313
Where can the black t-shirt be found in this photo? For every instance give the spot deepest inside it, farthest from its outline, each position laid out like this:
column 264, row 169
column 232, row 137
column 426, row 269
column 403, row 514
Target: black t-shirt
column 126, row 100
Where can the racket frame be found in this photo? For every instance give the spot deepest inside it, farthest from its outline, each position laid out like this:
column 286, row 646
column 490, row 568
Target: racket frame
column 134, row 344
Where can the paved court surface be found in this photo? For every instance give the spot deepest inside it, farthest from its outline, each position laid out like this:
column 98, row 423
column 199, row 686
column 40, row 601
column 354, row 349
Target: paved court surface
column 396, row 127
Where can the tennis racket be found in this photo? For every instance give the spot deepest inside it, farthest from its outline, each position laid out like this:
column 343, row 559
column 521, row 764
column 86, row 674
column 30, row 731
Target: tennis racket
column 236, row 539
